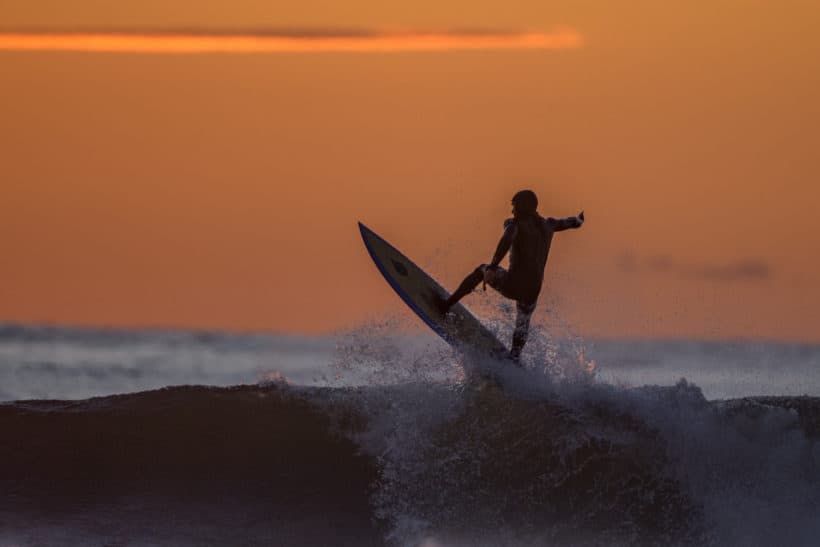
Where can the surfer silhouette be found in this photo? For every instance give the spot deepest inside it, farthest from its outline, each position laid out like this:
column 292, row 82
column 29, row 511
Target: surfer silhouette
column 527, row 237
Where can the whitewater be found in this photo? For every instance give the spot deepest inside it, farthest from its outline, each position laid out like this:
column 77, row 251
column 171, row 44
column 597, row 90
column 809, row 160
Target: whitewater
column 384, row 436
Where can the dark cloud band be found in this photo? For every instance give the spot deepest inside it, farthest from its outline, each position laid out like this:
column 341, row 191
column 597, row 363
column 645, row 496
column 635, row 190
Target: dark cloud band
column 752, row 269
column 280, row 40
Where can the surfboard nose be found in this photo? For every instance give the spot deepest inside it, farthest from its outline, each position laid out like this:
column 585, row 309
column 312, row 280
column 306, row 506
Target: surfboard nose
column 364, row 230
column 421, row 294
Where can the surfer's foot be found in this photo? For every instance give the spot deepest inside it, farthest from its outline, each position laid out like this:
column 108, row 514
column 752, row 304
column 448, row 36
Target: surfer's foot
column 441, row 303
column 515, row 357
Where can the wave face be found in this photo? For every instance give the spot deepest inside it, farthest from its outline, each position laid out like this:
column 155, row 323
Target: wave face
column 182, row 466
column 409, row 465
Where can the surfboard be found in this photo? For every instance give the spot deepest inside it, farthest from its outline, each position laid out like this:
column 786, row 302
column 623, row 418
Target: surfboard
column 460, row 328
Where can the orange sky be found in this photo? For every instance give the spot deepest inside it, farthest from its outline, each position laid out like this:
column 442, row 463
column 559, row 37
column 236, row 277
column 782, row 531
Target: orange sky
column 222, row 190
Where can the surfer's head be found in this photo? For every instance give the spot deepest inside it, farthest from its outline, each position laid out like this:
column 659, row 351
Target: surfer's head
column 524, row 203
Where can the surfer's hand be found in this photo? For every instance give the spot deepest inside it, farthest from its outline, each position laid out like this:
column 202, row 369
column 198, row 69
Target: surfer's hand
column 581, row 217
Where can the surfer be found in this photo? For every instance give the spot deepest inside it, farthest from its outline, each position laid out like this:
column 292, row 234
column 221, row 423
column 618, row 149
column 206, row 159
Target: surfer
column 527, row 237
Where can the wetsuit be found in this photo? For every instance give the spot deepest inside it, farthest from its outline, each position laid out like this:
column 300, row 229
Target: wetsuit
column 528, row 239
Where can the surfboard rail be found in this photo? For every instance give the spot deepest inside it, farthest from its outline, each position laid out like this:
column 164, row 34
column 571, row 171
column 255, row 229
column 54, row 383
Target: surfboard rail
column 417, row 289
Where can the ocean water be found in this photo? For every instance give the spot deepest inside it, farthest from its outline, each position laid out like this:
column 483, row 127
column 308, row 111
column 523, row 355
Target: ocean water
column 45, row 362
column 48, row 362
column 380, row 437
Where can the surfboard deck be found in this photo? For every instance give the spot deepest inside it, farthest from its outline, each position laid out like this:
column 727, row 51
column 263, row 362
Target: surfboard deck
column 461, row 329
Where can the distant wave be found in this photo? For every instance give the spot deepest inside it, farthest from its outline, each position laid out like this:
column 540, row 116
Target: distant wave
column 20, row 332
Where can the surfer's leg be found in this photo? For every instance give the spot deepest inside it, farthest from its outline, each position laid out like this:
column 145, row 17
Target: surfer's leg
column 467, row 286
column 522, row 328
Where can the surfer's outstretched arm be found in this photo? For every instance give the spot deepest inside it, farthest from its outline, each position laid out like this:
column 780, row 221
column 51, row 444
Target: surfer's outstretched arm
column 510, row 231
column 559, row 224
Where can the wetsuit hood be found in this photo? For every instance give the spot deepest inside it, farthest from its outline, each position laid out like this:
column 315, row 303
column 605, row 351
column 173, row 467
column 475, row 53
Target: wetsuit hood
column 524, row 203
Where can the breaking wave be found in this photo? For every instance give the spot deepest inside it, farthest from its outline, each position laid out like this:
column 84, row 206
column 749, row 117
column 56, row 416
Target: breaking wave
column 543, row 456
